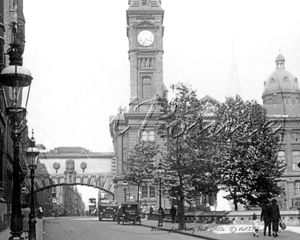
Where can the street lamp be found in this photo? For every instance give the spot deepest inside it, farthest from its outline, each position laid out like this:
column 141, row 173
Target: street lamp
column 138, row 190
column 14, row 78
column 159, row 173
column 124, row 194
column 32, row 154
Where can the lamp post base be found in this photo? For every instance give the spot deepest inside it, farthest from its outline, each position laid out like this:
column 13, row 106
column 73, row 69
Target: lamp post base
column 160, row 219
column 32, row 230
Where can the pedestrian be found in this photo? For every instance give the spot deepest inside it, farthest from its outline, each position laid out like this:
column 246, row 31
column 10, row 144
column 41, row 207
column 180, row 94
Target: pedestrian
column 150, row 212
column 266, row 212
column 275, row 217
column 40, row 213
column 255, row 223
column 25, row 214
column 173, row 212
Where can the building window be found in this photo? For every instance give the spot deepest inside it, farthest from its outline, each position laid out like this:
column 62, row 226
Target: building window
column 148, row 135
column 152, row 192
column 286, row 83
column 146, row 88
column 281, row 137
column 144, row 192
column 297, row 188
column 295, row 136
column 295, row 160
column 281, row 156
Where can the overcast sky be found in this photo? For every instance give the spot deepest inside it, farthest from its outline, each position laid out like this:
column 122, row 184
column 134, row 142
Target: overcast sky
column 77, row 53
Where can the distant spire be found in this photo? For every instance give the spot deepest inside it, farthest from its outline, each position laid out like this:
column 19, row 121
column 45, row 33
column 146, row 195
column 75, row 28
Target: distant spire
column 233, row 87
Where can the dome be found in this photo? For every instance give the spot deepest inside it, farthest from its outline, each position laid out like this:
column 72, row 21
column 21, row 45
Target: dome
column 281, row 80
column 280, row 57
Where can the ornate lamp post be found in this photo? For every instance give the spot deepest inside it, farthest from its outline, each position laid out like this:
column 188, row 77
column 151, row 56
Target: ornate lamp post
column 32, row 154
column 125, row 195
column 138, row 190
column 14, row 78
column 159, row 173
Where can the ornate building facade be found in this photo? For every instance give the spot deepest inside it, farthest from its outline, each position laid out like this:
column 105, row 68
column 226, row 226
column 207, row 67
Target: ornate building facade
column 145, row 32
column 10, row 11
column 281, row 98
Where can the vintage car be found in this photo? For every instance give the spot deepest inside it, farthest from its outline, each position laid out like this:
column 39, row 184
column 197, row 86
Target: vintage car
column 129, row 212
column 107, row 209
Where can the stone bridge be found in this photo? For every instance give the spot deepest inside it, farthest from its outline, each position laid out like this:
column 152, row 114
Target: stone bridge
column 73, row 166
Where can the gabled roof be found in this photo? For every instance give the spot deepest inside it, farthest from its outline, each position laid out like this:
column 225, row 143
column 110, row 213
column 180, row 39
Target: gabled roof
column 210, row 105
column 210, row 99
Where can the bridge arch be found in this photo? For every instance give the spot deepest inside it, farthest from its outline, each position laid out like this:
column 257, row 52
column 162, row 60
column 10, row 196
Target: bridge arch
column 72, row 184
column 100, row 181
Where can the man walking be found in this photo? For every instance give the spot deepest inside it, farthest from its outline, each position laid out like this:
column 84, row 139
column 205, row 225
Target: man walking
column 173, row 213
column 275, row 217
column 266, row 212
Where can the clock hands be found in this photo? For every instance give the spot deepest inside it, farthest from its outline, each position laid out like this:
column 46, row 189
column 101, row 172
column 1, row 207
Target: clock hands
column 146, row 39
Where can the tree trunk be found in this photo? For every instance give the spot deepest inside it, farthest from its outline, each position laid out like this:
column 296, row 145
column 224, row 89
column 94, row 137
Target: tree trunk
column 235, row 203
column 181, row 216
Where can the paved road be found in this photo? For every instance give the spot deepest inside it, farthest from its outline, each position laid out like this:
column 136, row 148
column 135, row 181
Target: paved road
column 87, row 228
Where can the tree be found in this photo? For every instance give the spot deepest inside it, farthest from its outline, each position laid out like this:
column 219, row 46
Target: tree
column 186, row 159
column 140, row 162
column 246, row 157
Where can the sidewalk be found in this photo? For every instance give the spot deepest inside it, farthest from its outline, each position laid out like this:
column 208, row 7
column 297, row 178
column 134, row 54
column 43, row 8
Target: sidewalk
column 220, row 231
column 4, row 235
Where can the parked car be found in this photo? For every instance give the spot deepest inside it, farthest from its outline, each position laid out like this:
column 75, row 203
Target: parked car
column 107, row 210
column 129, row 212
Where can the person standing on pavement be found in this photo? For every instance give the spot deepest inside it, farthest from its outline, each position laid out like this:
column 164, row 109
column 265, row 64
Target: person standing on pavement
column 173, row 212
column 40, row 213
column 265, row 216
column 255, row 223
column 150, row 212
column 25, row 214
column 275, row 217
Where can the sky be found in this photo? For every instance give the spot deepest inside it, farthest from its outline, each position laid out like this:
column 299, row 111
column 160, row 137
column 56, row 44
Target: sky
column 77, row 54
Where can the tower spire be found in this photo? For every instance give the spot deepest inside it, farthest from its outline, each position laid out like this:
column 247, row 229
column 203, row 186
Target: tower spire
column 233, row 87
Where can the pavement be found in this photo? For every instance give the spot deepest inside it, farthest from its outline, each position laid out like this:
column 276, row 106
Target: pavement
column 5, row 235
column 210, row 231
column 221, row 231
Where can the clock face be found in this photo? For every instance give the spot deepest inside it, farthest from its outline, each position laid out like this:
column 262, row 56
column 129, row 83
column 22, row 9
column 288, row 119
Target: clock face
column 145, row 38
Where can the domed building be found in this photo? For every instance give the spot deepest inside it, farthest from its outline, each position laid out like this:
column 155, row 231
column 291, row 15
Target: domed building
column 281, row 99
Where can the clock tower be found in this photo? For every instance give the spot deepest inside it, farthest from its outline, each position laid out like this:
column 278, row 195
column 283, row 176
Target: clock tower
column 145, row 33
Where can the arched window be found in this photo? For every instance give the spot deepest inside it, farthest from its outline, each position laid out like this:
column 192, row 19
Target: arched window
column 146, row 85
column 286, row 83
column 272, row 84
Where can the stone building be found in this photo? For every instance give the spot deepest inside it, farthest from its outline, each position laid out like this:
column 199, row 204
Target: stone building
column 145, row 32
column 281, row 98
column 10, row 11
